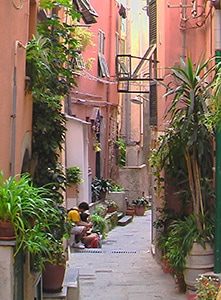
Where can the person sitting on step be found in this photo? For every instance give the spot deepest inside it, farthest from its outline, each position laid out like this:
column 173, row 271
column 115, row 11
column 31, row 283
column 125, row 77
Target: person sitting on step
column 80, row 227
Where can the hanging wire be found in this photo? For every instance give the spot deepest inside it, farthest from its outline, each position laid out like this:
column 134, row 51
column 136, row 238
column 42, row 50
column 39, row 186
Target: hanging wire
column 18, row 7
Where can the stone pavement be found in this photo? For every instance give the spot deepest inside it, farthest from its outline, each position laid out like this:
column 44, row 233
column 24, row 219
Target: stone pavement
column 124, row 268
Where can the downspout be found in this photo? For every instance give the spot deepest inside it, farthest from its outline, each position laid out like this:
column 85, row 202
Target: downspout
column 18, row 44
column 184, row 9
column 217, row 250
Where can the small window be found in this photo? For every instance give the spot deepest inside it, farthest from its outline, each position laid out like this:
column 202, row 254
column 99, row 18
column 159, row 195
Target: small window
column 102, row 64
column 78, row 59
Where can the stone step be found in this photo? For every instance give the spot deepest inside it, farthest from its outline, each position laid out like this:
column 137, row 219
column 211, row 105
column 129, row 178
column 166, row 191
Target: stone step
column 125, row 220
column 120, row 215
column 56, row 296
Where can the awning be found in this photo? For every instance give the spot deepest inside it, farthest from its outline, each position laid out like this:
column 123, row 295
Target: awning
column 86, row 10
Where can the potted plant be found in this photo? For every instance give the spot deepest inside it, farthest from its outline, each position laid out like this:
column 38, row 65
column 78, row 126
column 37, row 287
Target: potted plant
column 22, row 204
column 73, row 175
column 111, row 206
column 207, row 287
column 140, row 205
column 99, row 224
column 100, row 187
column 184, row 157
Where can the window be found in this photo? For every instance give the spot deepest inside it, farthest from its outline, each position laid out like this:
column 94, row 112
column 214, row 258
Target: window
column 86, row 10
column 102, row 64
column 79, row 61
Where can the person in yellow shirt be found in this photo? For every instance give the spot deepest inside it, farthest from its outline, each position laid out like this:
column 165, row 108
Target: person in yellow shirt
column 80, row 228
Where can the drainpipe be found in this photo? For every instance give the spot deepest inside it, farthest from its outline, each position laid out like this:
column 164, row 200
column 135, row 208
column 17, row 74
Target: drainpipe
column 217, row 250
column 14, row 105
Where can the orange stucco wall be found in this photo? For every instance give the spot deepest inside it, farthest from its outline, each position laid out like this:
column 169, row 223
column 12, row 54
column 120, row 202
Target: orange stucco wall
column 14, row 32
column 181, row 34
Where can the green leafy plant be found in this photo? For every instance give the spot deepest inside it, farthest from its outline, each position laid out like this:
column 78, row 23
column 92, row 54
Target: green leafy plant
column 182, row 233
column 117, row 188
column 111, row 203
column 185, row 152
column 99, row 188
column 121, row 145
column 100, row 210
column 73, row 175
column 29, row 209
column 99, row 224
column 141, row 201
column 51, row 67
column 207, row 287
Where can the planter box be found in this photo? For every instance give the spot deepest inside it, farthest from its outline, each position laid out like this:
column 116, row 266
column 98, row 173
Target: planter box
column 119, row 199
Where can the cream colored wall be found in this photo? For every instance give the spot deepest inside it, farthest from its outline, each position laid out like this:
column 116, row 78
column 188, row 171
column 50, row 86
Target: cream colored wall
column 7, row 272
column 77, row 155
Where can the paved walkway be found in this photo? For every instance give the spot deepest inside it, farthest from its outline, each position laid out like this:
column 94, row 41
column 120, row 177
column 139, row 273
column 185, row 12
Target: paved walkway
column 124, row 269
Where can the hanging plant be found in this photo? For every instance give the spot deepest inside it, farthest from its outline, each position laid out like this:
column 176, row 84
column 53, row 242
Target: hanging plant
column 73, row 175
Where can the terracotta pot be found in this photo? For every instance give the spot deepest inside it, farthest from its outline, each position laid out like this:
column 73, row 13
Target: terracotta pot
column 130, row 211
column 7, row 232
column 111, row 209
column 53, row 276
column 140, row 210
column 167, row 269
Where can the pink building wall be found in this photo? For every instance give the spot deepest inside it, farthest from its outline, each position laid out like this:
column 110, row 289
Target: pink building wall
column 14, row 32
column 177, row 37
column 93, row 91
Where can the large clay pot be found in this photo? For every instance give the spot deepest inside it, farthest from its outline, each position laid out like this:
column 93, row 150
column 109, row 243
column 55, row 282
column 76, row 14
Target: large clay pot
column 6, row 231
column 140, row 210
column 53, row 277
column 199, row 261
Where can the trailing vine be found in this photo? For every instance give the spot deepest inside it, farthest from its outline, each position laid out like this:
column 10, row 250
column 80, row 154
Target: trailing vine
column 50, row 67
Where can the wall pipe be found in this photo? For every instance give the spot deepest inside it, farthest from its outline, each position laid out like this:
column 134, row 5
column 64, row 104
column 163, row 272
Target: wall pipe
column 18, row 44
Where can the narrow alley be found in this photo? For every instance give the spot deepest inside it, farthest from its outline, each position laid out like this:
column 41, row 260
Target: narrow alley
column 124, row 269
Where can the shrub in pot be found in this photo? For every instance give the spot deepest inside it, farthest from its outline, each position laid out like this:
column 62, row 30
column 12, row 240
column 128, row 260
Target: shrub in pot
column 183, row 161
column 140, row 205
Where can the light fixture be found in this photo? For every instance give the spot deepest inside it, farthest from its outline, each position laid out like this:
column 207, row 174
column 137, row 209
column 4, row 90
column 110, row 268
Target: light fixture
column 137, row 99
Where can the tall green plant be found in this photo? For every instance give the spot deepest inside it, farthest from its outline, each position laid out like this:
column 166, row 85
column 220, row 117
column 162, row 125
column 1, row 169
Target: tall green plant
column 186, row 150
column 51, row 67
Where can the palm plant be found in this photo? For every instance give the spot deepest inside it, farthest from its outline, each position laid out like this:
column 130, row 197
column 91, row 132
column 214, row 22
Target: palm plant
column 186, row 149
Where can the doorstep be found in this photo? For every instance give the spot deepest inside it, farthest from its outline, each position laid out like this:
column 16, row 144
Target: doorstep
column 56, row 296
column 125, row 220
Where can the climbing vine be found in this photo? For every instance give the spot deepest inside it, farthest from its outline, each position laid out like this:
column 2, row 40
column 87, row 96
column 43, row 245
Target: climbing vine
column 50, row 67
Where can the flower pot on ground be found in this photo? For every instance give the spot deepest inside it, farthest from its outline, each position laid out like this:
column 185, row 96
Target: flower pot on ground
column 199, row 260
column 130, row 211
column 53, row 277
column 100, row 187
column 111, row 206
column 140, row 205
column 182, row 238
column 185, row 157
column 54, row 269
column 207, row 287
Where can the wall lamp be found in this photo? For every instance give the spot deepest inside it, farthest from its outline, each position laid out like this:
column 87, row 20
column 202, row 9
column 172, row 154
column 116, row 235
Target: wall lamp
column 138, row 99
